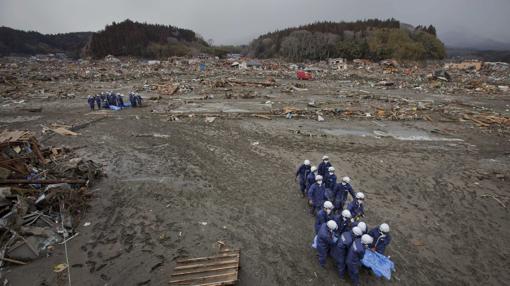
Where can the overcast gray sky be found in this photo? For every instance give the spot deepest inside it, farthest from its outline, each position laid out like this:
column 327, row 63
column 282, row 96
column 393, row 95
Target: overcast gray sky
column 238, row 21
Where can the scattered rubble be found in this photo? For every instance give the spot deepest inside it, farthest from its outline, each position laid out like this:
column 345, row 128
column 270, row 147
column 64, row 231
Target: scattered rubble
column 43, row 193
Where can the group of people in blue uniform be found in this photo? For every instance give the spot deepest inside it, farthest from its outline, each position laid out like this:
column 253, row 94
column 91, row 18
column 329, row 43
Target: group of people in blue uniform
column 110, row 98
column 340, row 230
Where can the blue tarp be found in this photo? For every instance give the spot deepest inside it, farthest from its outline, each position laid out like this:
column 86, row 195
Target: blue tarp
column 380, row 264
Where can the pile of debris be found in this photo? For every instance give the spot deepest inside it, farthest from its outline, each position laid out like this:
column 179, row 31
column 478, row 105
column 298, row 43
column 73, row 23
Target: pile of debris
column 43, row 192
column 172, row 88
column 233, row 82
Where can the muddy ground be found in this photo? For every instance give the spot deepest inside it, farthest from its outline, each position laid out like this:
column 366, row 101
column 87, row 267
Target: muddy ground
column 437, row 183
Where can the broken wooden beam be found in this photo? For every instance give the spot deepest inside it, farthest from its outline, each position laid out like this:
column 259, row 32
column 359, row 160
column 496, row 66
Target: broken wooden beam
column 13, row 260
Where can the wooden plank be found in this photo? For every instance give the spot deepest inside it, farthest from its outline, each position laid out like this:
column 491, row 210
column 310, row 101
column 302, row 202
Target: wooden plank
column 208, row 258
column 216, row 269
column 226, row 276
column 222, row 283
column 37, row 151
column 179, row 267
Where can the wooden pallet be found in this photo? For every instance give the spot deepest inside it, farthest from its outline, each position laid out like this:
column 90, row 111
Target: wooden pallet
column 217, row 270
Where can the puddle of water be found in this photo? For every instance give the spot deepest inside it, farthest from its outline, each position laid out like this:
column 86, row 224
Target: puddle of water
column 234, row 110
column 401, row 134
column 347, row 132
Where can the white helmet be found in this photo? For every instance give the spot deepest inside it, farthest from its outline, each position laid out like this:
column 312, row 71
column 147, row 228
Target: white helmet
column 357, row 231
column 331, row 169
column 307, row 162
column 367, row 239
column 362, row 226
column 313, row 169
column 318, row 178
column 328, row 205
column 325, row 157
column 384, row 228
column 332, row 225
column 346, row 214
column 346, row 179
column 360, row 196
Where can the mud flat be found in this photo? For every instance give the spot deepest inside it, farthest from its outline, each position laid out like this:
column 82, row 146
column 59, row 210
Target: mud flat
column 177, row 184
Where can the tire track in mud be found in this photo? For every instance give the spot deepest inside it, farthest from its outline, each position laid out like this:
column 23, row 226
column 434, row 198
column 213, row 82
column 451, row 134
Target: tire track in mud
column 235, row 160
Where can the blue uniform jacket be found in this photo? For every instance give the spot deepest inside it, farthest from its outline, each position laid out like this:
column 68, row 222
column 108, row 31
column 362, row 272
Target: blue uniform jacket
column 325, row 238
column 356, row 253
column 330, row 181
column 356, row 209
column 322, row 218
column 310, row 180
column 380, row 241
column 343, row 224
column 301, row 171
column 339, row 250
column 341, row 192
column 317, row 195
column 323, row 168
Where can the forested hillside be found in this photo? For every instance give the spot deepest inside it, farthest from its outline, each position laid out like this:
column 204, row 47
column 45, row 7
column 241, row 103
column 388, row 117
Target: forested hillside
column 130, row 38
column 372, row 39
column 16, row 42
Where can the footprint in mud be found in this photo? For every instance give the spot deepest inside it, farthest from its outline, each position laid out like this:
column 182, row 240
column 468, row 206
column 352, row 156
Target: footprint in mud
column 91, row 265
column 181, row 253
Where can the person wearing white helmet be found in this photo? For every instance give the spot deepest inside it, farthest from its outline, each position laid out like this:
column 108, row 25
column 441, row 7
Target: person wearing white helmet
column 344, row 221
column 356, row 206
column 97, row 98
column 301, row 173
column 325, row 239
column 330, row 183
column 106, row 102
column 382, row 238
column 355, row 255
column 120, row 101
column 316, row 194
column 324, row 165
column 310, row 178
column 362, row 225
column 340, row 249
column 324, row 215
column 341, row 192
column 132, row 99
column 138, row 99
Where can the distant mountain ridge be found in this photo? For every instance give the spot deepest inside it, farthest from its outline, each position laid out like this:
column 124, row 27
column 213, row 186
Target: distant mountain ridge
column 346, row 39
column 464, row 40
